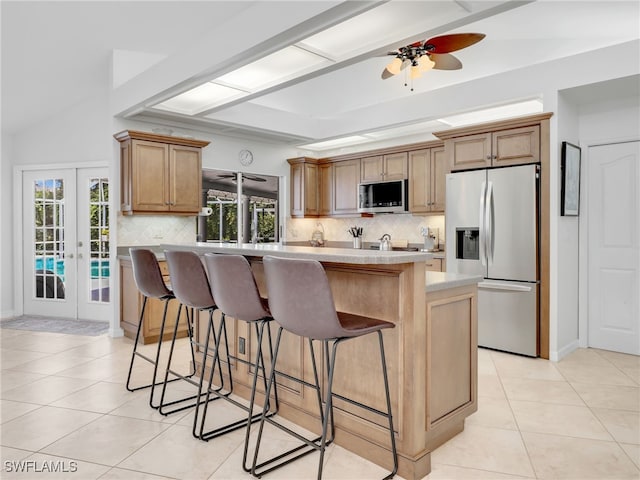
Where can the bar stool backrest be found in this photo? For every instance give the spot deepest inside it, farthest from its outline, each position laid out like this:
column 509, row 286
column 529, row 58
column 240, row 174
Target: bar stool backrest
column 147, row 274
column 189, row 279
column 300, row 298
column 234, row 287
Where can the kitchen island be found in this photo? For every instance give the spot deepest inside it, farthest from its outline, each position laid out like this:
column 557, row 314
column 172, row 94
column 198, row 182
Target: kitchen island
column 431, row 354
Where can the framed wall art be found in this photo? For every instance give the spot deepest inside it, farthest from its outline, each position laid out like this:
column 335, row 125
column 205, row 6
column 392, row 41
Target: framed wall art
column 570, row 167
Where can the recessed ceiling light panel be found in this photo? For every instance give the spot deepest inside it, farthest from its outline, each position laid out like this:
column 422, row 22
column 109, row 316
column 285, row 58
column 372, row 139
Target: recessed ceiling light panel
column 275, row 67
column 200, row 98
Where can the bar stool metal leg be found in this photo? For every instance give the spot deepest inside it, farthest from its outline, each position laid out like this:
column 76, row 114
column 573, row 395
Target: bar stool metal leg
column 308, row 445
column 169, row 371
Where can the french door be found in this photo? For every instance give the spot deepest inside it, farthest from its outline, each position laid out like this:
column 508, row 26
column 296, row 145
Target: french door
column 66, row 260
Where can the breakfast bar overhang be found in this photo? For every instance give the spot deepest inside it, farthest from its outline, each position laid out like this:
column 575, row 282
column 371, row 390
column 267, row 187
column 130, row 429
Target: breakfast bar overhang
column 431, row 354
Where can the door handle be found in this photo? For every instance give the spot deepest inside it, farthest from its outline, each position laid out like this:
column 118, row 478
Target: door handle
column 482, row 225
column 489, row 222
column 70, row 255
column 504, row 286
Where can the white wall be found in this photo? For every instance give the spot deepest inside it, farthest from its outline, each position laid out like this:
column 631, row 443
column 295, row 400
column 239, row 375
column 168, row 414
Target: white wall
column 6, row 230
column 567, row 241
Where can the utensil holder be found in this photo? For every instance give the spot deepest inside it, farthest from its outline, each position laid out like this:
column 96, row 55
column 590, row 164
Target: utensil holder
column 357, row 242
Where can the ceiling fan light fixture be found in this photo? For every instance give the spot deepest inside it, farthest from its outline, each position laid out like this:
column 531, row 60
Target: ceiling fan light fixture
column 395, row 65
column 416, row 72
column 425, row 63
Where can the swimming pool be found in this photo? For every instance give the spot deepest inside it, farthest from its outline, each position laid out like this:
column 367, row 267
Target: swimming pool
column 99, row 268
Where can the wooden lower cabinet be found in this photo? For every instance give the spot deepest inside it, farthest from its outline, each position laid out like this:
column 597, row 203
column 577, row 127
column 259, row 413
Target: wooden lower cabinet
column 434, row 265
column 131, row 305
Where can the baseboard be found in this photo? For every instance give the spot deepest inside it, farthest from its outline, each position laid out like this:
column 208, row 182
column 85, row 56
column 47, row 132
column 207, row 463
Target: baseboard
column 564, row 351
column 116, row 332
column 7, row 314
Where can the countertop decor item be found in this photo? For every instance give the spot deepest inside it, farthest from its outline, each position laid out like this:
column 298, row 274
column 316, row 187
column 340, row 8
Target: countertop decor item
column 317, row 237
column 385, row 242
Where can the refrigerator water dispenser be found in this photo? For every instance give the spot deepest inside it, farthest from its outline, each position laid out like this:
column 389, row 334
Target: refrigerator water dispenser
column 468, row 243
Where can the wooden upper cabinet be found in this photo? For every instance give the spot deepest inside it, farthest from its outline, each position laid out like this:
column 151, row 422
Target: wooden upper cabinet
column 384, row 167
column 346, row 176
column 516, row 146
column 472, row 151
column 427, row 170
column 160, row 174
column 513, row 146
column 304, row 187
column 325, row 189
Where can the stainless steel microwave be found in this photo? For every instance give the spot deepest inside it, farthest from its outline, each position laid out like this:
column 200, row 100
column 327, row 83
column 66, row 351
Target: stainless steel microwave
column 383, row 197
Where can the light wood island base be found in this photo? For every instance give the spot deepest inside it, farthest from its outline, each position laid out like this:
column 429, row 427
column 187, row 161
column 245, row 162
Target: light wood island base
column 431, row 358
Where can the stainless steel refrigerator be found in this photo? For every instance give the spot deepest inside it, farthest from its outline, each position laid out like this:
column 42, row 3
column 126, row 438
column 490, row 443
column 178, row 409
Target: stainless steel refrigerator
column 492, row 230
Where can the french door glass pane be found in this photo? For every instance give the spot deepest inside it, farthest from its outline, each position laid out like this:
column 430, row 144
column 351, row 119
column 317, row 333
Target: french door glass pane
column 48, row 239
column 99, row 239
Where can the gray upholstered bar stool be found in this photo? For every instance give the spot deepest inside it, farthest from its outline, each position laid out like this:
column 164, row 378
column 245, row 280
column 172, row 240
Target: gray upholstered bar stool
column 236, row 292
column 149, row 281
column 191, row 287
column 300, row 300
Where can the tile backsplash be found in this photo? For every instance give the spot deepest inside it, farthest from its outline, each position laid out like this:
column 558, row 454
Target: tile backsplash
column 155, row 229
column 399, row 226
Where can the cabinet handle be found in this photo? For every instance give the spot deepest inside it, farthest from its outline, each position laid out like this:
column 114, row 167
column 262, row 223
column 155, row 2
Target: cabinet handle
column 488, row 157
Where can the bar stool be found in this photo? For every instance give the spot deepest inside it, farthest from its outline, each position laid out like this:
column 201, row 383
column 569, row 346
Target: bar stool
column 149, row 281
column 300, row 300
column 191, row 288
column 234, row 288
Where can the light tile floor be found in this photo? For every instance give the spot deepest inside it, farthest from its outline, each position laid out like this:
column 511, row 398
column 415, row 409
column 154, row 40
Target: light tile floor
column 63, row 399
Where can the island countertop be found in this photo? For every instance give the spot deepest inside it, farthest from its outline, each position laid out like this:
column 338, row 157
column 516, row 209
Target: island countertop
column 321, row 254
column 434, row 281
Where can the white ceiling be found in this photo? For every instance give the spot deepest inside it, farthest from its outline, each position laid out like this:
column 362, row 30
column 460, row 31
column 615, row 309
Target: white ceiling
column 57, row 54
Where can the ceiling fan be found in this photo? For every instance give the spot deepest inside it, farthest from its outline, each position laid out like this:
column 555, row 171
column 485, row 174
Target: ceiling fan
column 432, row 53
column 247, row 176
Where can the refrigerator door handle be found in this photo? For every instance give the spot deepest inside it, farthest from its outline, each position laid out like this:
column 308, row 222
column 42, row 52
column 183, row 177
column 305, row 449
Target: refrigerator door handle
column 504, row 286
column 481, row 225
column 489, row 223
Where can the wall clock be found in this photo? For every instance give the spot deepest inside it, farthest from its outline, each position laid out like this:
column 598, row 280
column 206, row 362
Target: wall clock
column 245, row 157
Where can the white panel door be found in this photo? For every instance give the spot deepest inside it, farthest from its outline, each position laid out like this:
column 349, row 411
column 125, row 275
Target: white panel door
column 613, row 252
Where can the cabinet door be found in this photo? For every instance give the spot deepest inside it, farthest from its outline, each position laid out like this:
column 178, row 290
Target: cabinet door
column 297, row 190
column 150, row 176
column 185, row 186
column 419, row 167
column 438, row 172
column 325, row 189
column 516, row 146
column 310, row 189
column 395, row 166
column 371, row 169
column 346, row 176
column 471, row 151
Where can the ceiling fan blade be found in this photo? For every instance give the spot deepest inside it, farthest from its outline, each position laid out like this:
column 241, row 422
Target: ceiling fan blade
column 445, row 61
column 453, row 42
column 253, row 178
